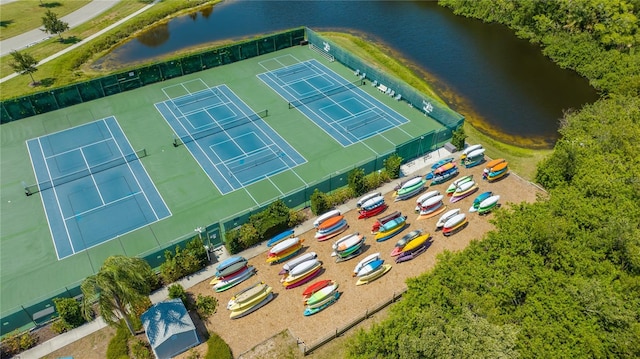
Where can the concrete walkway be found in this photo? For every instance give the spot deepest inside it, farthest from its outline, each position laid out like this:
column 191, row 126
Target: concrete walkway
column 407, row 170
column 82, row 15
column 74, row 19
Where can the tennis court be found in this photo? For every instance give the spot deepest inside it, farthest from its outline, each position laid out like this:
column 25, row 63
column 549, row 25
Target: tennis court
column 93, row 186
column 339, row 107
column 230, row 141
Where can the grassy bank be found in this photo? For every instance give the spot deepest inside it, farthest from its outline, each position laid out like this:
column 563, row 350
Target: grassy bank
column 18, row 17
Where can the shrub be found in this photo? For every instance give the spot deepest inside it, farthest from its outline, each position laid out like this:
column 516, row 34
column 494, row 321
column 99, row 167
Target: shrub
column 69, row 311
column 140, row 349
column 184, row 261
column 206, row 305
column 118, row 345
column 392, row 166
column 177, row 291
column 356, row 181
column 340, row 196
column 60, row 326
column 458, row 137
column 217, row 348
column 16, row 342
column 295, row 218
column 319, row 202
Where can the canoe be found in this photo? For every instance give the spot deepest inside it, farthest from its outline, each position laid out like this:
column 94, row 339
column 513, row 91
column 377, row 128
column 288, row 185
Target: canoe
column 470, row 149
column 370, row 267
column 303, row 268
column 323, row 217
column 496, row 176
column 473, row 155
column 331, row 229
column 375, row 275
column 382, row 220
column 250, row 298
column 280, row 237
column 430, row 203
column 493, row 163
column 454, row 224
column 499, row 167
column 365, row 261
column 241, row 313
column 316, row 287
column 367, row 197
column 411, row 183
column 463, row 187
column 448, row 215
column 229, row 262
column 311, row 311
column 370, row 212
column 457, row 196
column 372, row 203
column 416, row 242
column 349, row 250
column 227, row 277
column 488, row 204
column 325, row 236
column 426, row 196
column 476, row 202
column 232, row 301
column 284, row 246
column 294, row 262
column 331, row 222
column 407, row 256
column 305, row 279
column 347, row 241
column 228, row 284
column 410, row 191
column 233, row 268
column 441, row 163
column 432, row 212
column 283, row 256
column 408, row 237
column 454, row 185
column 444, row 168
column 444, row 177
column 290, row 279
column 316, row 298
column 399, row 224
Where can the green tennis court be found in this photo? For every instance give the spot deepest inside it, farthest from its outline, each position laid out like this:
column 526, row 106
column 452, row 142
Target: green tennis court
column 30, row 269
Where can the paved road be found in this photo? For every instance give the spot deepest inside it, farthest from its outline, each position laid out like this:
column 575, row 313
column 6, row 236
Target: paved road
column 74, row 19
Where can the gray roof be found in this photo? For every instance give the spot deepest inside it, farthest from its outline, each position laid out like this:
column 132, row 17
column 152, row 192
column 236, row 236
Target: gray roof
column 166, row 319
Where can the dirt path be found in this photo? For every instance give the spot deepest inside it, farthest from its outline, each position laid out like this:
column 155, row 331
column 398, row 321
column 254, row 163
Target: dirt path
column 286, row 310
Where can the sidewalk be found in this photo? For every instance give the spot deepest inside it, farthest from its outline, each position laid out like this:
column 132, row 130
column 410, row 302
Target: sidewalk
column 74, row 19
column 407, row 170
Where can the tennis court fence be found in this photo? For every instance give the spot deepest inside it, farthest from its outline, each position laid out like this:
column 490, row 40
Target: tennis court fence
column 219, row 127
column 41, row 186
column 325, row 94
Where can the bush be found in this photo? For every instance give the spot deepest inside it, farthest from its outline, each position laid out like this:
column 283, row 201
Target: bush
column 392, row 166
column 118, row 345
column 69, row 311
column 458, row 137
column 295, row 218
column 217, row 348
column 177, row 291
column 340, row 196
column 60, row 326
column 140, row 349
column 356, row 181
column 319, row 202
column 206, row 305
column 16, row 342
column 184, row 261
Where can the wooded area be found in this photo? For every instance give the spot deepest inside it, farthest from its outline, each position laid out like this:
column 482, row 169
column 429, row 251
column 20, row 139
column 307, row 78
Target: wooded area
column 560, row 277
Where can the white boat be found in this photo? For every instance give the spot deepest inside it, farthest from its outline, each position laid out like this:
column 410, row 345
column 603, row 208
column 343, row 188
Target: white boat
column 284, row 245
column 411, row 182
column 430, row 202
column 365, row 261
column 347, row 241
column 323, row 217
column 452, row 187
column 475, row 154
column 425, row 197
column 249, row 296
column 464, row 187
column 470, row 149
column 230, row 269
column 303, row 267
column 446, row 216
column 296, row 261
column 370, row 268
column 491, row 201
column 372, row 202
column 319, row 297
column 367, row 197
column 454, row 221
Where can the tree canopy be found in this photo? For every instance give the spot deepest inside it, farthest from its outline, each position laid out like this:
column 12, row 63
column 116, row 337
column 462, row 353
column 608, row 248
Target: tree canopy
column 53, row 25
column 23, row 63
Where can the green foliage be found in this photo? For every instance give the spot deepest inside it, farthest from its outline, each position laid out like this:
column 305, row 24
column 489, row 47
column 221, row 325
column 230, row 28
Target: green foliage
column 177, row 291
column 339, row 196
column 53, row 25
column 458, row 138
column 392, row 165
column 60, row 326
column 295, row 218
column 121, row 284
column 23, row 63
column 206, row 306
column 217, row 348
column 69, row 311
column 118, row 345
column 16, row 342
column 319, row 202
column 140, row 349
column 183, row 262
column 356, row 181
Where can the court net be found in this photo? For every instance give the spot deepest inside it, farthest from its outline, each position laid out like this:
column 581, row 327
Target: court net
column 365, row 120
column 219, row 127
column 321, row 95
column 35, row 188
column 260, row 158
column 202, row 96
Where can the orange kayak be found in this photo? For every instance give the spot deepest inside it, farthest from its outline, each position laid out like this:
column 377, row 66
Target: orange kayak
column 330, row 222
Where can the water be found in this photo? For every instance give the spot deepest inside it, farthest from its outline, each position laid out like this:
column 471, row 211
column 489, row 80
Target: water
column 501, row 84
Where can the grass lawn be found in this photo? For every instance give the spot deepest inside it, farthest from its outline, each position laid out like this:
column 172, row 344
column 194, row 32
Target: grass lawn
column 18, row 17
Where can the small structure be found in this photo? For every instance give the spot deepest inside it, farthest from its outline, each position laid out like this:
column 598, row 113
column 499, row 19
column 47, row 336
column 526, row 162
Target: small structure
column 169, row 328
column 450, row 147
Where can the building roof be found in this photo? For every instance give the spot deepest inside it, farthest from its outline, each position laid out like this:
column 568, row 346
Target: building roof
column 166, row 319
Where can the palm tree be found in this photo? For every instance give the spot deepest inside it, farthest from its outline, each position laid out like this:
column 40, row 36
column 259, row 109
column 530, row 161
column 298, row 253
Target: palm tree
column 121, row 284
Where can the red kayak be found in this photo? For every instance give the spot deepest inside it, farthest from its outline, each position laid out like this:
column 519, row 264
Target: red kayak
column 372, row 212
column 316, row 287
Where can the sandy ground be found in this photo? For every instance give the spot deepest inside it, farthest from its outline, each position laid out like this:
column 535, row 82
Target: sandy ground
column 286, row 310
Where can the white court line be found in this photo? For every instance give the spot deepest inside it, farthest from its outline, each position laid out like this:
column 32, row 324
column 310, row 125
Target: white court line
column 133, row 194
column 76, row 148
column 93, row 179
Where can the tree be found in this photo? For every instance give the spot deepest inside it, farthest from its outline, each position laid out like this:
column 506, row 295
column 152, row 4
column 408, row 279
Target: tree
column 23, row 63
column 458, row 137
column 69, row 311
column 319, row 202
column 392, row 165
column 121, row 284
column 53, row 25
column 356, row 181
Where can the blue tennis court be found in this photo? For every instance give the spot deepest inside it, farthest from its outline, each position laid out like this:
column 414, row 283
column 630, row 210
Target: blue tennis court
column 231, row 142
column 93, row 186
column 337, row 106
